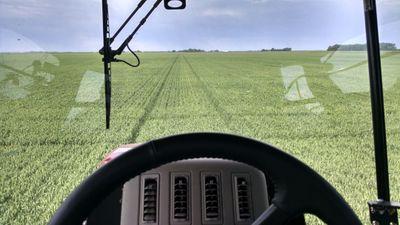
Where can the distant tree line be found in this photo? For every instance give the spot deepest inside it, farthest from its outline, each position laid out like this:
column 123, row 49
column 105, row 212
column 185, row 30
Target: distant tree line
column 361, row 47
column 190, row 50
column 195, row 50
column 216, row 50
column 277, row 50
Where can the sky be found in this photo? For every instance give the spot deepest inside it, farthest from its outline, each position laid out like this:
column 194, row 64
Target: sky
column 76, row 25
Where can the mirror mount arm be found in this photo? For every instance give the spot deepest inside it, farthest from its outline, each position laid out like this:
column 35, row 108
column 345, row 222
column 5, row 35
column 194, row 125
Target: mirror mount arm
column 142, row 22
column 138, row 7
column 109, row 54
column 120, row 49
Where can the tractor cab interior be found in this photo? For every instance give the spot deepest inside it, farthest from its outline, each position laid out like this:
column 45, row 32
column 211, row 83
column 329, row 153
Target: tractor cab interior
column 218, row 112
column 215, row 178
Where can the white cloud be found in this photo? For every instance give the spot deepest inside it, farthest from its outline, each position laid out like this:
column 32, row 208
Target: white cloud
column 11, row 41
column 122, row 6
column 258, row 1
column 389, row 2
column 222, row 12
column 23, row 9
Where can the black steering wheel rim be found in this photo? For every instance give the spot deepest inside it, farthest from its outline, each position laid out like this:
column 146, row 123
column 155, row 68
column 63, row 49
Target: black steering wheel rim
column 298, row 189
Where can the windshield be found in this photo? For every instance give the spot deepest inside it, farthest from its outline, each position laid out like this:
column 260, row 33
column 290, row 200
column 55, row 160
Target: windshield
column 290, row 73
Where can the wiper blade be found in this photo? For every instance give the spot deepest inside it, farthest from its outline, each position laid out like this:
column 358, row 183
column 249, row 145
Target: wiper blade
column 106, row 51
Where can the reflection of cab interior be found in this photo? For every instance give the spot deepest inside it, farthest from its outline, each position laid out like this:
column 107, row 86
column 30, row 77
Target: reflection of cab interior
column 210, row 178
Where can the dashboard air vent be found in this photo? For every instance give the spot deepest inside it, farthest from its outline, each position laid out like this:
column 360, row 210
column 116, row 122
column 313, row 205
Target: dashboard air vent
column 181, row 198
column 243, row 200
column 211, row 198
column 150, row 193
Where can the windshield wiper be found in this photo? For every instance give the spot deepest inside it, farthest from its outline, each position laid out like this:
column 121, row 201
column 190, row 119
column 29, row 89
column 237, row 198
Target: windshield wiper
column 109, row 54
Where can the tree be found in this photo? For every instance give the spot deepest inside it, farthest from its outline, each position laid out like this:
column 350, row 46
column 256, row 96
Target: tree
column 361, row 47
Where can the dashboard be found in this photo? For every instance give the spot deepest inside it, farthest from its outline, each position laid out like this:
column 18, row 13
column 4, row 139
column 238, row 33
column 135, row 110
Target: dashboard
column 196, row 192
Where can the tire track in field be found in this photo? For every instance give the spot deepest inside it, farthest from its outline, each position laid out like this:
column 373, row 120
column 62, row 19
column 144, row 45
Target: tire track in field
column 140, row 87
column 226, row 116
column 168, row 95
column 150, row 106
column 211, row 98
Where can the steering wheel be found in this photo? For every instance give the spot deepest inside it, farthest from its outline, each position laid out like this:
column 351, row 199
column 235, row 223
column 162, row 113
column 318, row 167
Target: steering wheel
column 298, row 189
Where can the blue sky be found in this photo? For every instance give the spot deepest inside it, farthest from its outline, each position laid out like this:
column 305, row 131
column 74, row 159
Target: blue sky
column 75, row 25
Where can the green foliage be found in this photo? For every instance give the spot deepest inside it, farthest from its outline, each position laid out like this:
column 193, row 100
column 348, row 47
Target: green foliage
column 277, row 50
column 44, row 156
column 192, row 50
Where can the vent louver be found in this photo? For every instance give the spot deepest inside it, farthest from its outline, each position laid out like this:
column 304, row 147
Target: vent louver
column 243, row 200
column 181, row 198
column 212, row 201
column 150, row 200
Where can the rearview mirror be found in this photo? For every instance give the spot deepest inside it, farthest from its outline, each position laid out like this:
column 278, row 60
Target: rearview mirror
column 174, row 4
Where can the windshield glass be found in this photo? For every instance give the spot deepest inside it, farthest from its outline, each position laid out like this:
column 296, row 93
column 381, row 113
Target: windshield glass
column 290, row 73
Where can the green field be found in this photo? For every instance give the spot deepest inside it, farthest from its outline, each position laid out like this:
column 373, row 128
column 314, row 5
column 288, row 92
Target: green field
column 52, row 123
